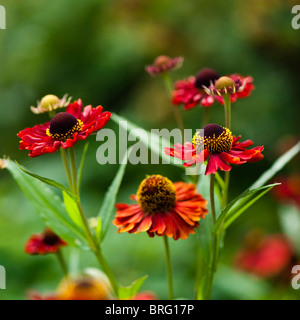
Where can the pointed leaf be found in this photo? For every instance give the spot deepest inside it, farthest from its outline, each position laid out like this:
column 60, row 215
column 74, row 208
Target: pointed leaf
column 237, row 204
column 126, row 293
column 48, row 205
column 277, row 166
column 72, row 209
column 108, row 205
column 50, row 182
column 249, row 201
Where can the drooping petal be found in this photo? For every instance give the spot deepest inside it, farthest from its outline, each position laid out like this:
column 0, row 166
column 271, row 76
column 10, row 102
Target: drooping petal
column 215, row 162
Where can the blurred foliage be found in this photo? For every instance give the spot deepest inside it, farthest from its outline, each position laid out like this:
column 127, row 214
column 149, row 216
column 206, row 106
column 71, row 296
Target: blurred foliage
column 97, row 50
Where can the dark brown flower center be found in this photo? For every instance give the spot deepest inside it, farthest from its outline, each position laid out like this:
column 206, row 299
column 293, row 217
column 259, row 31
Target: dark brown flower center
column 50, row 238
column 84, row 284
column 156, row 194
column 216, row 139
column 205, row 76
column 64, row 125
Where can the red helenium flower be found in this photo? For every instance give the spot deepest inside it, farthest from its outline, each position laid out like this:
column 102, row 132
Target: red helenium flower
column 218, row 147
column 190, row 92
column 44, row 243
column 64, row 130
column 162, row 208
column 272, row 255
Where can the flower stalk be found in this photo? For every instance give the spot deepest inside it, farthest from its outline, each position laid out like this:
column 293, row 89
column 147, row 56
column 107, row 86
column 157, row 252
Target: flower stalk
column 176, row 110
column 215, row 247
column 91, row 240
column 169, row 267
column 62, row 263
column 227, row 107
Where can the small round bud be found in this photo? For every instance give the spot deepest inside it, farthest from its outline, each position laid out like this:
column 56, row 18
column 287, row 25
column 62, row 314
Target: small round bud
column 49, row 102
column 162, row 60
column 224, row 82
column 163, row 64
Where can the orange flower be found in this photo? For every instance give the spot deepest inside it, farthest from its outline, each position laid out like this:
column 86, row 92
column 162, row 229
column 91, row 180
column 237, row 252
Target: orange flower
column 83, row 288
column 162, row 208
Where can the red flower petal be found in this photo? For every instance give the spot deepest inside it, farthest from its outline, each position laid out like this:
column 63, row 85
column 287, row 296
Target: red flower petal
column 214, row 163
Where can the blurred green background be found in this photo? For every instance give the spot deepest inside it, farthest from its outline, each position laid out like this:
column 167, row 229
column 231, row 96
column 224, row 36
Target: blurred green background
column 97, row 51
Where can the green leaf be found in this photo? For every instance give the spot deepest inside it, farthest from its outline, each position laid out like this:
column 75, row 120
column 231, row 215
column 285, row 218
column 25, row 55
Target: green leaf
column 48, row 205
column 289, row 219
column 239, row 285
column 98, row 229
column 239, row 206
column 126, row 293
column 79, row 174
column 244, row 205
column 50, row 182
column 72, row 209
column 156, row 144
column 277, row 166
column 107, row 208
column 236, row 207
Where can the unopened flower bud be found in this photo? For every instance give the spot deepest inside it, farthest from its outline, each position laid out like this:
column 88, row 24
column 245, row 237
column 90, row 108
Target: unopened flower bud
column 49, row 103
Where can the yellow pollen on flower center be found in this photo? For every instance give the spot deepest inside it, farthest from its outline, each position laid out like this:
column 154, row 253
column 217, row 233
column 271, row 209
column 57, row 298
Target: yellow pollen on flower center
column 63, row 126
column 216, row 139
column 156, row 194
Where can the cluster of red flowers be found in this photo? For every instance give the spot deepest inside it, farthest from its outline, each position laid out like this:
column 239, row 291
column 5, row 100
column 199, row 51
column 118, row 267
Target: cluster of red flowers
column 161, row 207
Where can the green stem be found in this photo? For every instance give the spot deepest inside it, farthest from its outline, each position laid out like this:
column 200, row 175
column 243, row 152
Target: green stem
column 225, row 191
column 91, row 240
column 62, row 263
column 65, row 162
column 212, row 198
column 206, row 116
column 176, row 110
column 199, row 271
column 169, row 268
column 227, row 106
column 214, row 257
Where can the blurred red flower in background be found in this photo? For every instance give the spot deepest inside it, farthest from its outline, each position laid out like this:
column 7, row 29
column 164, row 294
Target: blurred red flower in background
column 264, row 256
column 44, row 243
column 164, row 63
column 289, row 190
